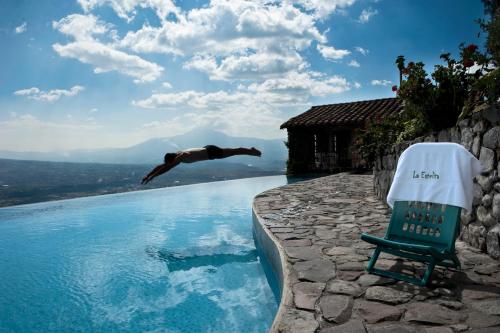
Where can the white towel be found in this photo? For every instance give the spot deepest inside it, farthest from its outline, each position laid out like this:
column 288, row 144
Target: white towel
column 435, row 172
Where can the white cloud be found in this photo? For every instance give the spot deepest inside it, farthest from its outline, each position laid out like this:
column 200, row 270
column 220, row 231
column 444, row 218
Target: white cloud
column 81, row 27
column 198, row 100
column 300, row 86
column 367, row 14
column 254, row 66
column 262, row 122
column 48, row 96
column 357, row 85
column 27, row 92
column 354, row 63
column 322, row 8
column 260, row 42
column 226, row 39
column 225, row 27
column 22, row 28
column 294, row 88
column 330, row 53
column 126, row 9
column 254, row 110
column 93, row 110
column 103, row 57
column 170, row 100
column 362, row 50
column 381, row 82
column 239, row 120
column 204, row 63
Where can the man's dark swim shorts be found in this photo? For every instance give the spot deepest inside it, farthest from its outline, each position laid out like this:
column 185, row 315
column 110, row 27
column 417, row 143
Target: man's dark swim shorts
column 214, row 152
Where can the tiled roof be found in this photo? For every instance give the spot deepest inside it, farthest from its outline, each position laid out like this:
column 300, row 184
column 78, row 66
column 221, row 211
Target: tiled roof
column 346, row 113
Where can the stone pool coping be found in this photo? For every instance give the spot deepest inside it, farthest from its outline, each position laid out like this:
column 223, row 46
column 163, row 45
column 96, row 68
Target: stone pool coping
column 310, row 231
column 275, row 255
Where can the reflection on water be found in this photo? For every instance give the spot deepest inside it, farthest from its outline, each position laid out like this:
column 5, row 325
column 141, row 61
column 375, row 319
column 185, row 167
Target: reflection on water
column 179, row 262
column 169, row 260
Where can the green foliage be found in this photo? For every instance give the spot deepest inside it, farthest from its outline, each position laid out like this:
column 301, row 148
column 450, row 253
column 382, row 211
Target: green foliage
column 493, row 41
column 377, row 137
column 441, row 97
column 411, row 123
column 492, row 28
column 450, row 92
column 489, row 85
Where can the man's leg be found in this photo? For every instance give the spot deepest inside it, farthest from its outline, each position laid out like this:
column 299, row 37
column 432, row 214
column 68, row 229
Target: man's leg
column 228, row 152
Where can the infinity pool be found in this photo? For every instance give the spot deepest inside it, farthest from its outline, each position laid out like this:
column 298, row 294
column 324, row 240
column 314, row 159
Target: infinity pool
column 169, row 260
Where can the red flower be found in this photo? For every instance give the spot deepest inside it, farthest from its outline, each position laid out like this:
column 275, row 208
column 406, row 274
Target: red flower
column 468, row 63
column 471, row 48
column 405, row 71
column 394, row 88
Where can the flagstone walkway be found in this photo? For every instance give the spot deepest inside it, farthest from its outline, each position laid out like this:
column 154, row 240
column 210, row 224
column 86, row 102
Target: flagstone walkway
column 317, row 225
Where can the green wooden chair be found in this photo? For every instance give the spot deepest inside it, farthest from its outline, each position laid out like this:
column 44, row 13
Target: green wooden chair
column 420, row 231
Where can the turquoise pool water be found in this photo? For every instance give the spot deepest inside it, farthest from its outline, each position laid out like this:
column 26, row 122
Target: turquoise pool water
column 169, row 260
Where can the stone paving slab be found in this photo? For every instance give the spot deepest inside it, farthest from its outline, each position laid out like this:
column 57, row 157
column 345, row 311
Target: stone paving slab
column 318, row 224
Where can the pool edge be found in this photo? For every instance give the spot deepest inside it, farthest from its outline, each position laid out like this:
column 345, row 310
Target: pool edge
column 275, row 255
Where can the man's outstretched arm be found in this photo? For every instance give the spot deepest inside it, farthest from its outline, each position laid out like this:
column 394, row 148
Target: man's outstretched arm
column 158, row 170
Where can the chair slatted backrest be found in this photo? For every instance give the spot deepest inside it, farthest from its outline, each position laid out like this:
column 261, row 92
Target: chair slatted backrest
column 426, row 222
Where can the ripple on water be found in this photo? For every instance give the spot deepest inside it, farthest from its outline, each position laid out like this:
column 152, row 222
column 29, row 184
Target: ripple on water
column 175, row 260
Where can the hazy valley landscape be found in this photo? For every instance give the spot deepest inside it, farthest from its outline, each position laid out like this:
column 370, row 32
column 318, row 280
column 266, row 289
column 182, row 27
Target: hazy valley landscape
column 27, row 177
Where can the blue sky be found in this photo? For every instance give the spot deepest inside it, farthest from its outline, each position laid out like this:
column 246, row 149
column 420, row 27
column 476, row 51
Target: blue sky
column 113, row 73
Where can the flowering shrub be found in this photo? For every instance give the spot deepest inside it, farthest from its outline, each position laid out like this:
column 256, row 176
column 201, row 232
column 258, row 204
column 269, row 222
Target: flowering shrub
column 438, row 101
column 442, row 96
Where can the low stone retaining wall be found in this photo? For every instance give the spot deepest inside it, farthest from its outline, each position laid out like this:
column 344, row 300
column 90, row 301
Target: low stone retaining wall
column 481, row 136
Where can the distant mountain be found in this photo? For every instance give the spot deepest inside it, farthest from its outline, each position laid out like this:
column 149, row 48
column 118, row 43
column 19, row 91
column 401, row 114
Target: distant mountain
column 152, row 151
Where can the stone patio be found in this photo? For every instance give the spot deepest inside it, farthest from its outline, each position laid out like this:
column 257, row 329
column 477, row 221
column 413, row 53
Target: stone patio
column 317, row 225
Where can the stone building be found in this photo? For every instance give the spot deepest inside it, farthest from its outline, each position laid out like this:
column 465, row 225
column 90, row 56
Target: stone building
column 322, row 138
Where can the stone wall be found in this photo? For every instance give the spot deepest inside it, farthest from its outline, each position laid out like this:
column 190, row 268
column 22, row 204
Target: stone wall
column 480, row 134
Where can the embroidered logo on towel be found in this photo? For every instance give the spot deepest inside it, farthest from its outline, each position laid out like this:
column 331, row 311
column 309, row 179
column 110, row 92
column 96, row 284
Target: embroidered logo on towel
column 425, row 175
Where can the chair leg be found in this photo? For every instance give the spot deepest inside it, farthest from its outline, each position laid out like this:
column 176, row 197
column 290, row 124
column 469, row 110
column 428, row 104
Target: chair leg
column 428, row 272
column 455, row 260
column 373, row 260
column 423, row 281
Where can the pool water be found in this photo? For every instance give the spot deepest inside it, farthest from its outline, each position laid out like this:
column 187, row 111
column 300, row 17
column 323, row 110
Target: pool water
column 177, row 259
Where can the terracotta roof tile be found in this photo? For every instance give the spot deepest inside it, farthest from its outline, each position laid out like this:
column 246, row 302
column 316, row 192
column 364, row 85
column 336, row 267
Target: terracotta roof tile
column 346, row 113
